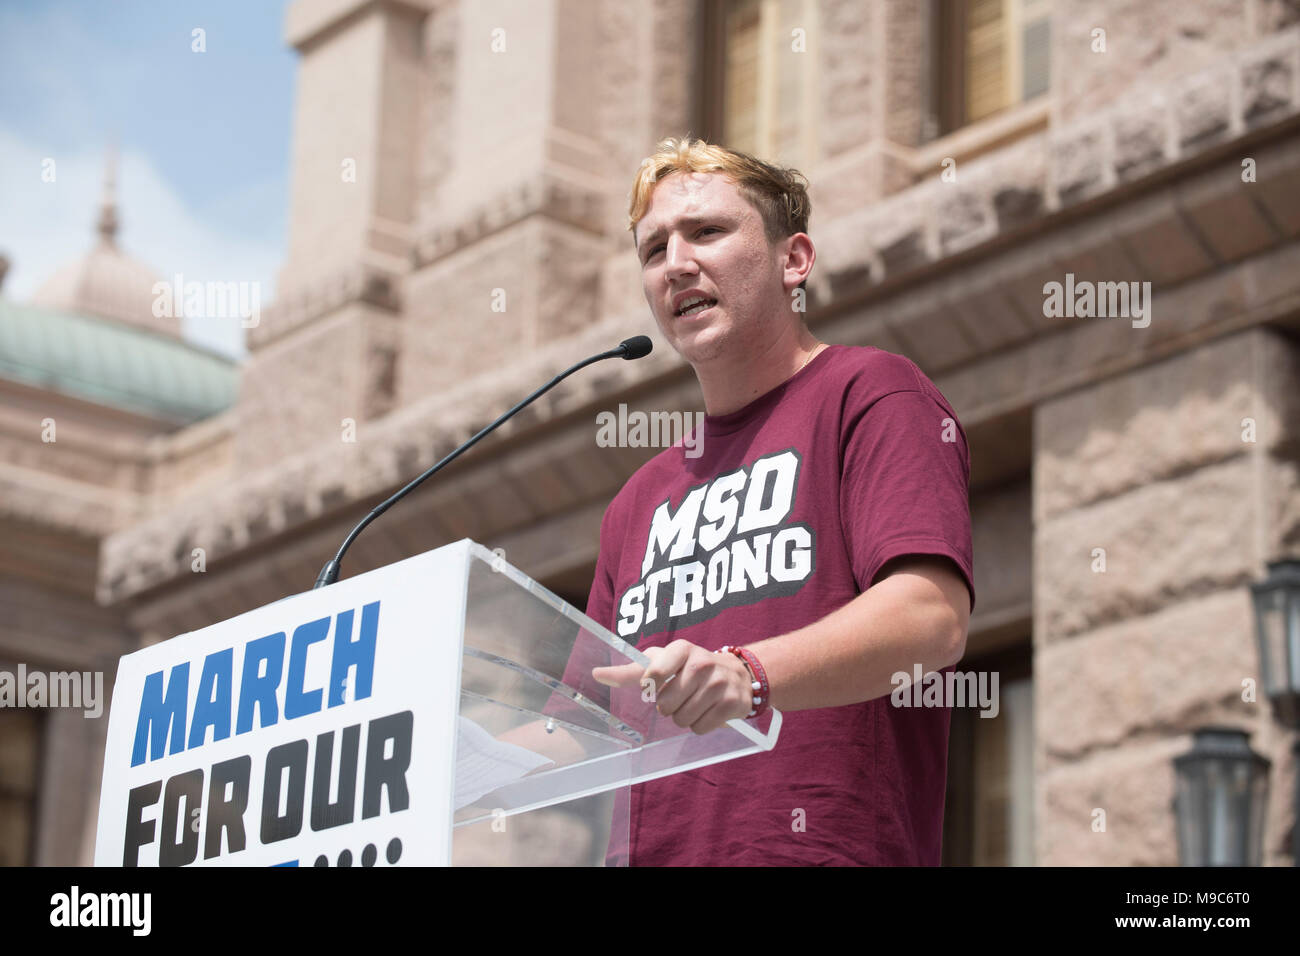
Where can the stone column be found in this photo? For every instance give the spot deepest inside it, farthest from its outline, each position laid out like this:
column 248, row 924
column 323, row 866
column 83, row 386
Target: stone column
column 537, row 132
column 354, row 136
column 71, row 764
column 323, row 358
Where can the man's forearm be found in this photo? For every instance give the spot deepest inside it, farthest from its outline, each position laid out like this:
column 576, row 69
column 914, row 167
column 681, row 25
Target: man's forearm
column 851, row 655
column 917, row 614
column 557, row 743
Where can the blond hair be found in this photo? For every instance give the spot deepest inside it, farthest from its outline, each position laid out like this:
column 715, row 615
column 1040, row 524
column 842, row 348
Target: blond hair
column 780, row 195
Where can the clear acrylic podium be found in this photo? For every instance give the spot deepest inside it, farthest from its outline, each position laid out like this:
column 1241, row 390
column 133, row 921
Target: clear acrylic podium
column 526, row 680
column 439, row 710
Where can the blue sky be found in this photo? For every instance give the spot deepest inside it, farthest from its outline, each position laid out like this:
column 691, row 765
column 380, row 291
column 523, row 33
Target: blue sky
column 203, row 138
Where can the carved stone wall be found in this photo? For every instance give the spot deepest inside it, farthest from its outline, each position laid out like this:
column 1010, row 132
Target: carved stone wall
column 1159, row 495
column 1147, row 42
column 302, row 391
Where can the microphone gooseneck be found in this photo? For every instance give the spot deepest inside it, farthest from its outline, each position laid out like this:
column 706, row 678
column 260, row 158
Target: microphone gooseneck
column 638, row 346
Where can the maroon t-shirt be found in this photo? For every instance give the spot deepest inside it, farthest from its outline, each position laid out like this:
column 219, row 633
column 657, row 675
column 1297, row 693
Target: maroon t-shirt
column 791, row 510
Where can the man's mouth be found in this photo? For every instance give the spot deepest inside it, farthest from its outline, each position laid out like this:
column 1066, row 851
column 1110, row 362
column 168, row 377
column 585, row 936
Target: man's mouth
column 695, row 306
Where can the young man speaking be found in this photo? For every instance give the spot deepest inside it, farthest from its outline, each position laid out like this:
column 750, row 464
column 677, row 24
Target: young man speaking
column 820, row 544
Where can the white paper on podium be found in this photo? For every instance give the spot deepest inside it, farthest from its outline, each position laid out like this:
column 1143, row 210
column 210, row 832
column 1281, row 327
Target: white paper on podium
column 484, row 763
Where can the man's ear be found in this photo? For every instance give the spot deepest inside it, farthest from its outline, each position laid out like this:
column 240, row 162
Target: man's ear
column 800, row 249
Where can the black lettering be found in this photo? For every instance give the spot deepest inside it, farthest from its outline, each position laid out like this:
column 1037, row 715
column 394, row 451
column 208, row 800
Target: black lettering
column 190, row 786
column 390, row 773
column 294, row 756
column 138, row 830
column 323, row 813
column 226, row 814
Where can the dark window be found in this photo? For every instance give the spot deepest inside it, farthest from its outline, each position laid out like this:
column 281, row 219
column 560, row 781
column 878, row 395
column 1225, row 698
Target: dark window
column 20, row 735
column 988, row 814
column 988, row 55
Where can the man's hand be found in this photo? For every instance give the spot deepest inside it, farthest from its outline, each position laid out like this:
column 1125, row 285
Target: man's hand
column 696, row 688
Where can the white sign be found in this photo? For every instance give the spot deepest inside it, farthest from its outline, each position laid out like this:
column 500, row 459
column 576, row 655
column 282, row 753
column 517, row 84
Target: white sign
column 312, row 731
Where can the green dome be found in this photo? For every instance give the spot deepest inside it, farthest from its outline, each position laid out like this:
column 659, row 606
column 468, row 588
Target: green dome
column 110, row 363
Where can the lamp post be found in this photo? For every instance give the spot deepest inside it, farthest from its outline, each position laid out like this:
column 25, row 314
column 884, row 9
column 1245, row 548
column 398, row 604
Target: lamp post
column 1277, row 632
column 1221, row 791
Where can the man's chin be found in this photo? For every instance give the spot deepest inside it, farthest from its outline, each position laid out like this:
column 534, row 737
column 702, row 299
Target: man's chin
column 702, row 346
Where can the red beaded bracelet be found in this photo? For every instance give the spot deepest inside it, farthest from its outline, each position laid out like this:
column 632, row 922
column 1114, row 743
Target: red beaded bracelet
column 759, row 685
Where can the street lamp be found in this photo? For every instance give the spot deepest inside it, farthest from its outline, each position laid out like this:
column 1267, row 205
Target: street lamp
column 1221, row 790
column 1277, row 631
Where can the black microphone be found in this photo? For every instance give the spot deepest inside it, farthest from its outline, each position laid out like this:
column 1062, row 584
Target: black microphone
column 638, row 346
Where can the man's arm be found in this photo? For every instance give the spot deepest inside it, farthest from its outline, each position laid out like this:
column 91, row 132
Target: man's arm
column 918, row 612
column 557, row 743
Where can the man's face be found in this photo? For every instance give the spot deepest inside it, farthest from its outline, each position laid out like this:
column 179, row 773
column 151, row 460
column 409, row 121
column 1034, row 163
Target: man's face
column 701, row 238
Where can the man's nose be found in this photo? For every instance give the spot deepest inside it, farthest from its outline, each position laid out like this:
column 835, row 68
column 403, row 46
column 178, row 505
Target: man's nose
column 679, row 257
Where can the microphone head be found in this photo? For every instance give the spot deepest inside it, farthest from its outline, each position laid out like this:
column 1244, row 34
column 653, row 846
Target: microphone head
column 638, row 346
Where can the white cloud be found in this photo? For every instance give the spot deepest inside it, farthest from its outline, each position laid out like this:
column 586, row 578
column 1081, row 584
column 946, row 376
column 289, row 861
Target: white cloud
column 44, row 226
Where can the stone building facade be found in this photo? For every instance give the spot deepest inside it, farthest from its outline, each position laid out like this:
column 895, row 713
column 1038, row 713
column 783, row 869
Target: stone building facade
column 458, row 232
column 105, row 413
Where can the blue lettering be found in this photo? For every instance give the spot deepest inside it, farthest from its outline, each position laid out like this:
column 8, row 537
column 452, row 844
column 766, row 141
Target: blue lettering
column 349, row 653
column 296, row 702
column 260, row 689
column 212, row 706
column 164, row 715
column 157, row 713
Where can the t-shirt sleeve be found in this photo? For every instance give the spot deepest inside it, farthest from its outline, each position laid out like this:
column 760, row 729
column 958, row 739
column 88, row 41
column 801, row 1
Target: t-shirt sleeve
column 905, row 484
column 600, row 600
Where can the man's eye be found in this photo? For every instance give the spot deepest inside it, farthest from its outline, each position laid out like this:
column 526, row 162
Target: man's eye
column 659, row 248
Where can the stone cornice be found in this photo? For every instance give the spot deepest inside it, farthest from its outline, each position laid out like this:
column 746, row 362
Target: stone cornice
column 306, row 21
column 1152, row 130
column 551, row 195
column 192, row 439
column 63, row 504
column 368, row 283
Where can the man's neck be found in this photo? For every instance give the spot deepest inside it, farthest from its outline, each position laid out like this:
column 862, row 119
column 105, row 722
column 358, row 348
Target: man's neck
column 730, row 383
